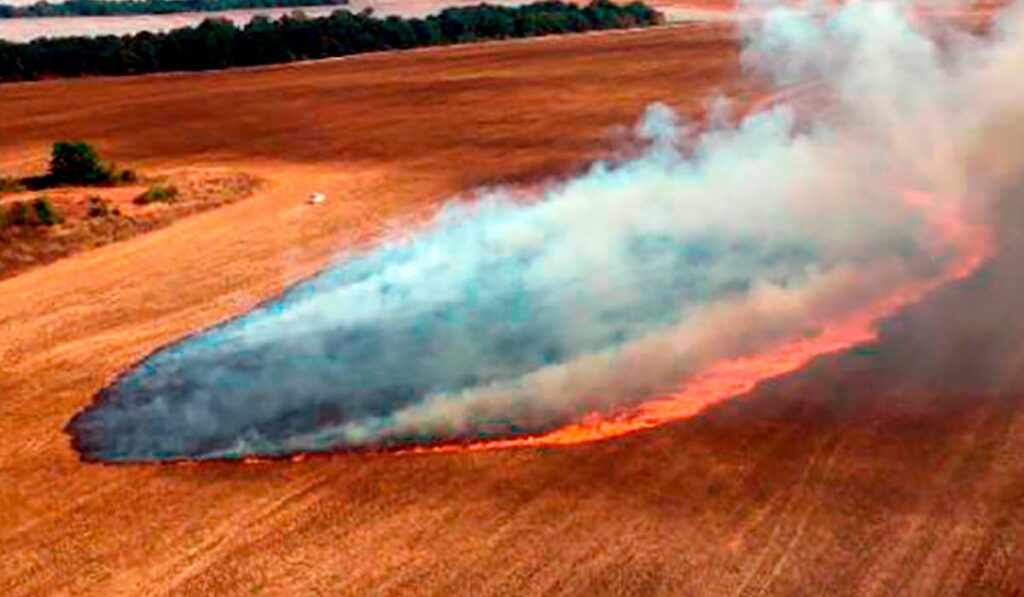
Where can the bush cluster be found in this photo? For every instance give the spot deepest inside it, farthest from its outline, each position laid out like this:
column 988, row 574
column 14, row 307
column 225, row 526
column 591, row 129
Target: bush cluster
column 73, row 163
column 216, row 43
column 98, row 207
column 40, row 212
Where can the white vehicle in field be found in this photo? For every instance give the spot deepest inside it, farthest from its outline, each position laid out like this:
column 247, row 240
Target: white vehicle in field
column 317, row 198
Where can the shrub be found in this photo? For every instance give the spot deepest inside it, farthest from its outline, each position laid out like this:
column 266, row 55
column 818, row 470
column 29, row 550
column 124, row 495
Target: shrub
column 97, row 207
column 157, row 194
column 127, row 176
column 46, row 213
column 76, row 162
column 18, row 214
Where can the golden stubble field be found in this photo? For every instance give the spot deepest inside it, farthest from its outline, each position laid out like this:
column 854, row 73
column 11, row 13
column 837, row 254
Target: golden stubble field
column 816, row 483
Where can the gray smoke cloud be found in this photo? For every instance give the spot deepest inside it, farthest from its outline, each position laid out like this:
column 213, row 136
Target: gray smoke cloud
column 503, row 317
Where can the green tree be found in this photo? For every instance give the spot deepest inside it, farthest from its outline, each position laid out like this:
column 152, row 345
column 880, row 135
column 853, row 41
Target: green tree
column 76, row 162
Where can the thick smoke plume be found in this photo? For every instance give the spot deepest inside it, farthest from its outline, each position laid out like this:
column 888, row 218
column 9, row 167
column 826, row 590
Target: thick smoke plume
column 504, row 317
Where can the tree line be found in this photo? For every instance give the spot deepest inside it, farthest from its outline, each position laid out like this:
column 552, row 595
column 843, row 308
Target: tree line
column 107, row 8
column 217, row 43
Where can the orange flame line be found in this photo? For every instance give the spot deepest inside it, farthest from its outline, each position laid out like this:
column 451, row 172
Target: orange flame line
column 731, row 378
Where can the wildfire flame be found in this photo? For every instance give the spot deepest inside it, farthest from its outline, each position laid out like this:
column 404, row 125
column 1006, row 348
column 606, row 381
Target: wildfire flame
column 732, row 378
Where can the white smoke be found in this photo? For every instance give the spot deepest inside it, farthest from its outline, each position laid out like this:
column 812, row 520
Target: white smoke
column 620, row 284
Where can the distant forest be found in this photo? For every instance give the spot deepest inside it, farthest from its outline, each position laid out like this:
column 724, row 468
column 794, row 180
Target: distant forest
column 110, row 8
column 217, row 43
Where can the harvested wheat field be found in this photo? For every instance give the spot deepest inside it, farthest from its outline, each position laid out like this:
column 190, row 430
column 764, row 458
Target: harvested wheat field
column 894, row 467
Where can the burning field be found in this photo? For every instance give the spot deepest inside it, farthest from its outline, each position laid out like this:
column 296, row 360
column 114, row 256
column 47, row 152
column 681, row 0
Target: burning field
column 797, row 276
column 734, row 251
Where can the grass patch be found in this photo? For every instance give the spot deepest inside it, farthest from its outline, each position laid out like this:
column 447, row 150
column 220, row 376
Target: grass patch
column 157, row 194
